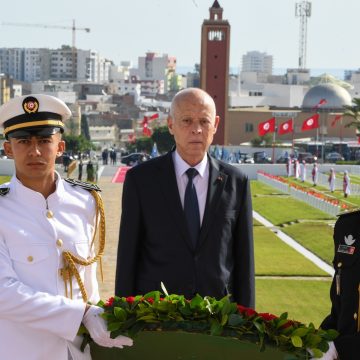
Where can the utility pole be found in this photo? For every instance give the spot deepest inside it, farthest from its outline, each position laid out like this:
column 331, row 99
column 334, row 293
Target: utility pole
column 303, row 11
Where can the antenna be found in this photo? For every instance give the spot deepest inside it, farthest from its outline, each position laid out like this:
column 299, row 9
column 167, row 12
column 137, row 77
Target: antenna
column 303, row 11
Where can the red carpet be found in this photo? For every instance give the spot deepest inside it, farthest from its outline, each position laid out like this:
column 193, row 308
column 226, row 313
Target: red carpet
column 120, row 174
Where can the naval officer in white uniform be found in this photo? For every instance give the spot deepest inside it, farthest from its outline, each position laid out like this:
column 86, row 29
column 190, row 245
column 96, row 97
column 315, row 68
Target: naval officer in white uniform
column 47, row 264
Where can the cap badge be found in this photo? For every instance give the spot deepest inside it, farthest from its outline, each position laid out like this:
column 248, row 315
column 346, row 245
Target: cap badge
column 30, row 105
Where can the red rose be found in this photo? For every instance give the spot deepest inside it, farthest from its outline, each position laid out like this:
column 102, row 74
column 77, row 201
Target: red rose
column 287, row 324
column 110, row 302
column 267, row 316
column 246, row 311
column 130, row 299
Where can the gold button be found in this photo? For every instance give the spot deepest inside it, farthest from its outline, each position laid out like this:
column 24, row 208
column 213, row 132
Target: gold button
column 355, row 316
column 59, row 242
column 49, row 214
column 340, row 264
column 30, row 258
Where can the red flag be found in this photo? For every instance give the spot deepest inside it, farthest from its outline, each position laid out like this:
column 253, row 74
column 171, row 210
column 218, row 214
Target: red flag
column 146, row 130
column 150, row 118
column 311, row 123
column 267, row 126
column 336, row 118
column 286, row 127
column 154, row 116
column 132, row 138
column 321, row 102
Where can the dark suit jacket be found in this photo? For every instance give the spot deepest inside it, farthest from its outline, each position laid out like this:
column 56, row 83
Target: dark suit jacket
column 345, row 288
column 155, row 246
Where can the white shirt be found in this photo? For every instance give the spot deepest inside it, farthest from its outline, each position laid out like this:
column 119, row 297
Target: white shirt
column 33, row 309
column 200, row 181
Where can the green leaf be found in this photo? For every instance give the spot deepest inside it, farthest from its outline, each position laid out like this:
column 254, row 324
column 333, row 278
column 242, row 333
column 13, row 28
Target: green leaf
column 216, row 329
column 120, row 313
column 114, row 326
column 196, row 301
column 236, row 320
column 300, row 332
column 296, row 341
column 224, row 319
column 317, row 353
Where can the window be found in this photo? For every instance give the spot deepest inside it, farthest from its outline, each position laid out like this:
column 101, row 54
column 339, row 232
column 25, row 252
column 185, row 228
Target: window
column 216, row 35
column 249, row 127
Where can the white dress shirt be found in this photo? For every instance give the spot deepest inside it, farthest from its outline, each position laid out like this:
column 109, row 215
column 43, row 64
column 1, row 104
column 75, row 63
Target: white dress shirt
column 200, row 181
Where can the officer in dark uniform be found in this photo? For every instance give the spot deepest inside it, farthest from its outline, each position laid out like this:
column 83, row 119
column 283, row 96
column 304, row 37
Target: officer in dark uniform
column 345, row 289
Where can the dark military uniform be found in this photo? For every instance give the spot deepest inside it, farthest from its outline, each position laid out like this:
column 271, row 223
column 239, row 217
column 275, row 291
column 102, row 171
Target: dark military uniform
column 345, row 288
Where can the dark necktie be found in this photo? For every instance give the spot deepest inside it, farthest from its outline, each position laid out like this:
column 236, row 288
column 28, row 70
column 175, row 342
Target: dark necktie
column 191, row 207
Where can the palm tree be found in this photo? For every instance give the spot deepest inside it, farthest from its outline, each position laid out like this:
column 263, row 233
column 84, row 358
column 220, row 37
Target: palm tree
column 353, row 111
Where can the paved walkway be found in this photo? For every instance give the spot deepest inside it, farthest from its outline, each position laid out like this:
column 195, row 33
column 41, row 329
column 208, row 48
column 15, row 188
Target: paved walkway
column 111, row 194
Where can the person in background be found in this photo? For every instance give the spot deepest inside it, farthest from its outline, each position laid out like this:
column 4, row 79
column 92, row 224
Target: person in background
column 296, row 169
column 314, row 174
column 331, row 180
column 80, row 169
column 346, row 184
column 46, row 224
column 186, row 217
column 289, row 167
column 345, row 290
column 303, row 171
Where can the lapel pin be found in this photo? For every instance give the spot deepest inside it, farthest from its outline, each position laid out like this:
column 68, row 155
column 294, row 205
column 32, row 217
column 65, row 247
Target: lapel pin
column 220, row 178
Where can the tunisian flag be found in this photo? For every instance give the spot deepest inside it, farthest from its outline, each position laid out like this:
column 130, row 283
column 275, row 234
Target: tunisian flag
column 267, row 126
column 321, row 102
column 286, row 127
column 336, row 118
column 146, row 130
column 311, row 123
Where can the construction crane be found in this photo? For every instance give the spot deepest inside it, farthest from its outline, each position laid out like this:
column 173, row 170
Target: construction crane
column 303, row 11
column 73, row 28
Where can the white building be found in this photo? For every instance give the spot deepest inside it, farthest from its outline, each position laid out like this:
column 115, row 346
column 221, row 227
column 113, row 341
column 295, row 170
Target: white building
column 36, row 64
column 254, row 94
column 104, row 136
column 258, row 62
column 155, row 67
column 12, row 62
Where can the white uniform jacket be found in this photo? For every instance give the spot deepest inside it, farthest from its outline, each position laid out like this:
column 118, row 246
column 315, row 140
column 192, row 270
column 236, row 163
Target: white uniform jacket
column 37, row 321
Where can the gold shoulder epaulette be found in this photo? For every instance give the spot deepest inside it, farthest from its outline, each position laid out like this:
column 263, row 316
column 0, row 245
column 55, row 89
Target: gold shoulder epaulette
column 83, row 184
column 4, row 191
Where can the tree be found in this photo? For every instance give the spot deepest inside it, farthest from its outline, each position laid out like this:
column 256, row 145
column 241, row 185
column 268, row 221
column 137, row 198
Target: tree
column 76, row 144
column 265, row 140
column 85, row 127
column 353, row 111
column 143, row 144
column 164, row 140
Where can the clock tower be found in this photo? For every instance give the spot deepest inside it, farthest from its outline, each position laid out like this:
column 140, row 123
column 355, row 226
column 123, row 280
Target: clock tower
column 214, row 67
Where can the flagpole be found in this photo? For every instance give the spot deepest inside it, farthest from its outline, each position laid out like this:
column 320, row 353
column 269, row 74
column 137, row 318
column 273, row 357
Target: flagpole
column 340, row 135
column 292, row 136
column 273, row 146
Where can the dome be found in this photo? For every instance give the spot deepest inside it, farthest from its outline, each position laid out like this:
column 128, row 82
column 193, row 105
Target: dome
column 336, row 97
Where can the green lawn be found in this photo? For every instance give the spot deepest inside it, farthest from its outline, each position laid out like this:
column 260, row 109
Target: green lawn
column 304, row 300
column 4, row 179
column 273, row 257
column 316, row 237
column 280, row 210
column 352, row 201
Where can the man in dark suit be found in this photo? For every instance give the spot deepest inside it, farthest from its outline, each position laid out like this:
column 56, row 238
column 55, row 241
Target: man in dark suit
column 345, row 290
column 159, row 241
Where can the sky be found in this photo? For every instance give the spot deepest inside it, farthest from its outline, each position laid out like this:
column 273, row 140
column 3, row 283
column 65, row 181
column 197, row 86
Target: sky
column 126, row 29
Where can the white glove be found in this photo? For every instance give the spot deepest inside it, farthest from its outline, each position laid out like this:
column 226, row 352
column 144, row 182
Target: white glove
column 96, row 326
column 331, row 354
